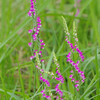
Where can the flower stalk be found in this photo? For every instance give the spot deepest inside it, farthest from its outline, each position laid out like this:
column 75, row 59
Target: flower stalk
column 37, row 45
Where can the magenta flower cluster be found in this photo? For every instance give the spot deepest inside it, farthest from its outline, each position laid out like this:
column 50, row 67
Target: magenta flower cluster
column 80, row 54
column 41, row 70
column 36, row 29
column 75, row 65
column 59, row 91
column 44, row 95
column 35, row 32
column 32, row 9
column 44, row 80
column 61, row 79
column 34, row 55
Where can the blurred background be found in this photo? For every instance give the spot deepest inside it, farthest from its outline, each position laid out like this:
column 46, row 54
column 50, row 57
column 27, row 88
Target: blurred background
column 14, row 38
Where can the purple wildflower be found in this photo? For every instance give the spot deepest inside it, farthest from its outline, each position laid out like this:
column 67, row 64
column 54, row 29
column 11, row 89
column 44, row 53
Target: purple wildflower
column 75, row 65
column 30, row 44
column 70, row 76
column 32, row 9
column 61, row 79
column 73, row 80
column 30, row 31
column 40, row 52
column 58, row 90
column 71, row 71
column 43, row 44
column 41, row 40
column 45, row 81
column 31, row 57
column 77, row 81
column 42, row 60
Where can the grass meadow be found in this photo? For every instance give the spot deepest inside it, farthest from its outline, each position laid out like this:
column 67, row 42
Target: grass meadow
column 17, row 71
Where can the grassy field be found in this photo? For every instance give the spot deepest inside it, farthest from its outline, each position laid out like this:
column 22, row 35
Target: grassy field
column 17, row 72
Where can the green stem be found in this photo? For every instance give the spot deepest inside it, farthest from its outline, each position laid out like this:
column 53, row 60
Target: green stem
column 21, row 81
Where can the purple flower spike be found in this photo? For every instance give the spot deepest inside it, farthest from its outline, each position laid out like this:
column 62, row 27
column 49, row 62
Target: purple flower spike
column 43, row 91
column 75, row 65
column 35, row 32
column 59, row 91
column 32, row 10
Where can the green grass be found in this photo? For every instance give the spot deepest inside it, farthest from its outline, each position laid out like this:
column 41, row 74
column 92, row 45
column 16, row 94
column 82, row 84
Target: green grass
column 17, row 71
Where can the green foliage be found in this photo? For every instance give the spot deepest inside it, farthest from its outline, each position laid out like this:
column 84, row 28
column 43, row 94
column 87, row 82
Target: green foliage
column 17, row 71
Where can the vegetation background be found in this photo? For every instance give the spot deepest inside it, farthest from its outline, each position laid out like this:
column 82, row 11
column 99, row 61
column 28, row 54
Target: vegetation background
column 17, row 71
